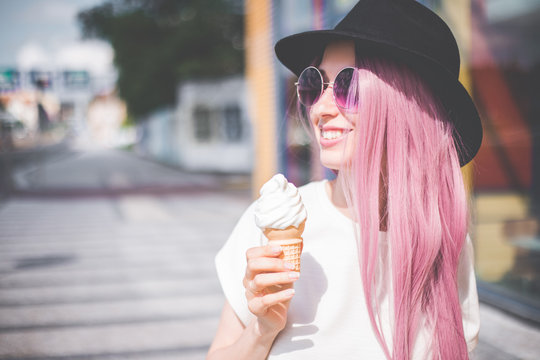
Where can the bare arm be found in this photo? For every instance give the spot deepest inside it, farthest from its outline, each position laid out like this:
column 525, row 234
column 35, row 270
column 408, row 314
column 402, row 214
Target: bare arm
column 268, row 291
column 234, row 341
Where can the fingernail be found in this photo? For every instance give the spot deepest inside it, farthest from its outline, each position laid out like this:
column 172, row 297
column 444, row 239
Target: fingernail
column 289, row 292
column 294, row 275
column 276, row 249
column 289, row 266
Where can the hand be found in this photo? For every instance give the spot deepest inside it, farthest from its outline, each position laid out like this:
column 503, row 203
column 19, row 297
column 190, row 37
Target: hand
column 268, row 283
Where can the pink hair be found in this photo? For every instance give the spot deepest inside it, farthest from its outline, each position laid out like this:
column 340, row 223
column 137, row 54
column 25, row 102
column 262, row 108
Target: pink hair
column 405, row 151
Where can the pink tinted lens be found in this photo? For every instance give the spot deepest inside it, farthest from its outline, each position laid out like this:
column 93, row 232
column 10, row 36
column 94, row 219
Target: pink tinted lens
column 342, row 85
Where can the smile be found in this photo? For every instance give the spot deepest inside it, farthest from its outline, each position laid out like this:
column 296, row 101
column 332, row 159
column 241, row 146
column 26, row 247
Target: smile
column 331, row 136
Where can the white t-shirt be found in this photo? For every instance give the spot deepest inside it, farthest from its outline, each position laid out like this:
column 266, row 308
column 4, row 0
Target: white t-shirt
column 327, row 317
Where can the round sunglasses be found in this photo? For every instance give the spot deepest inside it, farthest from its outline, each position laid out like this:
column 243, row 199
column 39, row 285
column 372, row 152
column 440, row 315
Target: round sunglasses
column 310, row 86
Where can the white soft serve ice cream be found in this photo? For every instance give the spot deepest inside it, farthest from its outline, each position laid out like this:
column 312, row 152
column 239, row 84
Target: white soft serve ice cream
column 279, row 205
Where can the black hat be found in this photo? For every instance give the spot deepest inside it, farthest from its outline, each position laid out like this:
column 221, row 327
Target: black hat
column 407, row 32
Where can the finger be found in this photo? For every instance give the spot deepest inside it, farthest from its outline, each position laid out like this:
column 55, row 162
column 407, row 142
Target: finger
column 266, row 264
column 259, row 305
column 251, row 289
column 263, row 251
column 263, row 281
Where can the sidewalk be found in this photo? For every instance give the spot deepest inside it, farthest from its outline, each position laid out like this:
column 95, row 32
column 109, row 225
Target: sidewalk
column 130, row 277
column 505, row 337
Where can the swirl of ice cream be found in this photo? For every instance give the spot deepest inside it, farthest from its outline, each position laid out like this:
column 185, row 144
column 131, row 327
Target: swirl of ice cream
column 279, row 205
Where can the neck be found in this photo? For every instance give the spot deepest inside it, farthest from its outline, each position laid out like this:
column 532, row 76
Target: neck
column 336, row 193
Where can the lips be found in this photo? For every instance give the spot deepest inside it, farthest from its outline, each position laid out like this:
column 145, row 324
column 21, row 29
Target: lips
column 330, row 136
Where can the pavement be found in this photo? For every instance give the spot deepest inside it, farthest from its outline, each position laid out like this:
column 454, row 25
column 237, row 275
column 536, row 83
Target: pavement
column 106, row 255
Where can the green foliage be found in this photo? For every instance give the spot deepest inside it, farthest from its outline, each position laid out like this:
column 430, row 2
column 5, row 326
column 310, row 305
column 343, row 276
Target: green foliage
column 160, row 43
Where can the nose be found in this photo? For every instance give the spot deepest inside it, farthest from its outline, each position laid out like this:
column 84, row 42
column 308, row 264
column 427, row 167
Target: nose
column 325, row 106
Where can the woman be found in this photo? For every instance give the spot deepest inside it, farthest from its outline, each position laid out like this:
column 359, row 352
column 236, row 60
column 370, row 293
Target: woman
column 387, row 264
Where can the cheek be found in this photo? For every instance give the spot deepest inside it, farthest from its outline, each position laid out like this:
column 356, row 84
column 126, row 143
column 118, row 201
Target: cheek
column 351, row 118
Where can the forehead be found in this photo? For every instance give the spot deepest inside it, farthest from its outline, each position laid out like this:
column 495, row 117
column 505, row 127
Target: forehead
column 337, row 55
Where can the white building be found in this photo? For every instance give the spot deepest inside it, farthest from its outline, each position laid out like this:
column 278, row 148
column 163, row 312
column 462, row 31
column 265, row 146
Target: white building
column 213, row 129
column 207, row 131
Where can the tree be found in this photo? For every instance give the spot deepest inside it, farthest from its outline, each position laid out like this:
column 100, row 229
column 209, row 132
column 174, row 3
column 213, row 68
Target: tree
column 160, row 43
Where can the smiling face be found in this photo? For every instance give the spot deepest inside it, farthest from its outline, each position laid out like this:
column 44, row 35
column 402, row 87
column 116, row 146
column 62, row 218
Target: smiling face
column 334, row 132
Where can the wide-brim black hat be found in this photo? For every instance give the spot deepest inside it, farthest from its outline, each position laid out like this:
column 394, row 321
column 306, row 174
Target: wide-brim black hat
column 407, row 32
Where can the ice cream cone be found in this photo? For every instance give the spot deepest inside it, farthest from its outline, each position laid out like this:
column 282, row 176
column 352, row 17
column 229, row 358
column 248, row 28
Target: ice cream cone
column 281, row 215
column 291, row 242
column 290, row 232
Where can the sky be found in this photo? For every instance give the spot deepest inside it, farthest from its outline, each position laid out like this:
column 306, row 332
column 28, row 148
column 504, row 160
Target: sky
column 44, row 34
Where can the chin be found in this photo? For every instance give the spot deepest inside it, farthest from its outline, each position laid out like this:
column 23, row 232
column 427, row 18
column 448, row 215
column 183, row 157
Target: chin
column 333, row 157
column 331, row 161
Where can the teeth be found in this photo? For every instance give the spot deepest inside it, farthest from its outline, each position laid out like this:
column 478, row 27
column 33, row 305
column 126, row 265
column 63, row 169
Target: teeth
column 332, row 134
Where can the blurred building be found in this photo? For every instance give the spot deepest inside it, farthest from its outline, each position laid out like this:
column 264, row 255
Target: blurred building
column 500, row 54
column 42, row 100
column 105, row 122
column 208, row 130
column 213, row 127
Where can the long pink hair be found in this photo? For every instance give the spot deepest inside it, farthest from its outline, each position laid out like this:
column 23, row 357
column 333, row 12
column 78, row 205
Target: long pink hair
column 404, row 150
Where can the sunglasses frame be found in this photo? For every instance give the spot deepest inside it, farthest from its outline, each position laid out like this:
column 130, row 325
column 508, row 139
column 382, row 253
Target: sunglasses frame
column 323, row 84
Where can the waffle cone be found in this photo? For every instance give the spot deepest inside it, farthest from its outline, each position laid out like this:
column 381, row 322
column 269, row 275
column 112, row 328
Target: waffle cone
column 292, row 249
column 291, row 242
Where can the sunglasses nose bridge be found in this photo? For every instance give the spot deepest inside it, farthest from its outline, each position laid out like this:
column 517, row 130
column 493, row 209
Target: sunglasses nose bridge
column 328, row 89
